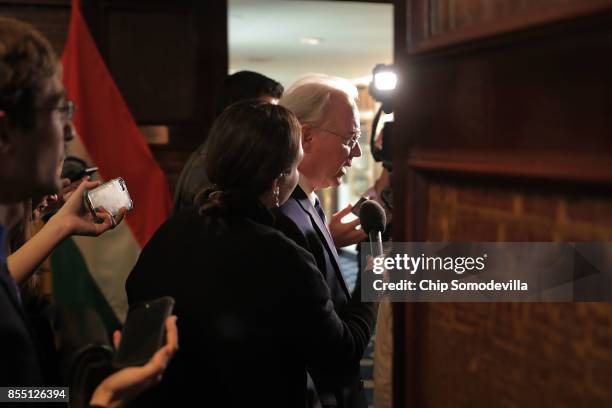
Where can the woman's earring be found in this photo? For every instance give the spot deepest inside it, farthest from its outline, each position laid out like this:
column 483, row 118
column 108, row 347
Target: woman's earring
column 276, row 193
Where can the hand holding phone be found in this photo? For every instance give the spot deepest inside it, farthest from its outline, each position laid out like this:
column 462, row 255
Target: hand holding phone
column 127, row 383
column 75, row 218
column 144, row 332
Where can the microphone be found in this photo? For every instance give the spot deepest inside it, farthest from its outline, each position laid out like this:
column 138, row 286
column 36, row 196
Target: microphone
column 373, row 221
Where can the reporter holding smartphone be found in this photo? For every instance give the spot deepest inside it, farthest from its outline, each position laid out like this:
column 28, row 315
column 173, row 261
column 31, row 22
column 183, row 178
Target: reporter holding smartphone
column 71, row 219
column 33, row 118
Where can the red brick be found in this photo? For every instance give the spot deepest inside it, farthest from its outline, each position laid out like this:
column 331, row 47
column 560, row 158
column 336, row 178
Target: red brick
column 436, row 193
column 472, row 226
column 524, row 231
column 580, row 234
column 593, row 211
column 541, row 206
column 481, row 198
column 437, row 223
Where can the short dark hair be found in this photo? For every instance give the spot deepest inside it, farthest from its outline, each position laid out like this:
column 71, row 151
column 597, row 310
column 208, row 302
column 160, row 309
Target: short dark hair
column 27, row 61
column 244, row 85
column 250, row 144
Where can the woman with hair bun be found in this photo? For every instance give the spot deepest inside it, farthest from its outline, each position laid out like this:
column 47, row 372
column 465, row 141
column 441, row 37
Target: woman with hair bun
column 253, row 309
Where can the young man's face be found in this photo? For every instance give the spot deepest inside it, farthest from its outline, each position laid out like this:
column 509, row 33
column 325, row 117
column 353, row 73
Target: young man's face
column 42, row 147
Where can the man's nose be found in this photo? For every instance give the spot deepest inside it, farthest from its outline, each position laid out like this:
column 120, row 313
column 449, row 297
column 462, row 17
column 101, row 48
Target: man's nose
column 69, row 132
column 356, row 152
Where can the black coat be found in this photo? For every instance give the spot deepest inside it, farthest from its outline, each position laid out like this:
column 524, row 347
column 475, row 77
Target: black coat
column 298, row 219
column 253, row 311
column 19, row 360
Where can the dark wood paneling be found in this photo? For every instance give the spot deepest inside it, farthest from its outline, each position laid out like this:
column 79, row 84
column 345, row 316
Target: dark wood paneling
column 450, row 22
column 510, row 111
column 153, row 57
column 49, row 17
column 168, row 58
column 535, row 104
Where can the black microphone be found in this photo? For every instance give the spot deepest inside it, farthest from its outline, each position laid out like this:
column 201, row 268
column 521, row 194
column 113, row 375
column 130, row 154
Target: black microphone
column 373, row 221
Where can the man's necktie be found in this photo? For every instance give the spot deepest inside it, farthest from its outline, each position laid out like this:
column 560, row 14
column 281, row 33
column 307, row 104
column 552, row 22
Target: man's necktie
column 319, row 209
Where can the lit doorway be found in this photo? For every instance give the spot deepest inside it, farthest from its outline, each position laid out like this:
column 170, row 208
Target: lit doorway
column 287, row 39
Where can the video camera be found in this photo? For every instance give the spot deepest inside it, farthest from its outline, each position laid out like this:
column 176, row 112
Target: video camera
column 382, row 88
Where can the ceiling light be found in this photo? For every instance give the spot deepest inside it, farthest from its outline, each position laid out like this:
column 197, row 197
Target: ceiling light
column 310, row 40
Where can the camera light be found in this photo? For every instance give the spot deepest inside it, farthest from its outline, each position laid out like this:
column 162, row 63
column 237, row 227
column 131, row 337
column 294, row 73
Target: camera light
column 385, row 80
column 383, row 85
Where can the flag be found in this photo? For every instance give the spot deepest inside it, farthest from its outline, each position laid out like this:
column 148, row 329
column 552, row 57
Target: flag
column 94, row 270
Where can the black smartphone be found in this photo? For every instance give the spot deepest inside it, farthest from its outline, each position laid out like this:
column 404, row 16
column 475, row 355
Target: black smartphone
column 144, row 332
column 85, row 172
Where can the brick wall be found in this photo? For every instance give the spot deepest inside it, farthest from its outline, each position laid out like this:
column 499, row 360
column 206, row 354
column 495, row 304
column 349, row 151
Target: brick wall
column 490, row 214
column 516, row 354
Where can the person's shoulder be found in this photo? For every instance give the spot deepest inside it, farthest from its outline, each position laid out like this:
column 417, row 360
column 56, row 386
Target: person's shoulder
column 287, row 210
column 281, row 243
column 183, row 222
column 292, row 210
column 185, row 216
column 293, row 222
column 188, row 214
column 272, row 234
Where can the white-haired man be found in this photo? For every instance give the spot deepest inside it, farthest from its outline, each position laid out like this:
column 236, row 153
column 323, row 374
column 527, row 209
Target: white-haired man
column 326, row 109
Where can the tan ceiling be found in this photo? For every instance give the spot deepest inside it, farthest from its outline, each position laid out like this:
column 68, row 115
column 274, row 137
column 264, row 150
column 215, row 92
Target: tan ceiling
column 264, row 36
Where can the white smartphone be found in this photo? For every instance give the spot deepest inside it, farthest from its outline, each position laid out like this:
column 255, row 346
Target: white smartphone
column 112, row 196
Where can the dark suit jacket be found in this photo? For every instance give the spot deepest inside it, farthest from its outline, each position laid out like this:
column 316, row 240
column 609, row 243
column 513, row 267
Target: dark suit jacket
column 253, row 311
column 298, row 219
column 18, row 353
column 192, row 180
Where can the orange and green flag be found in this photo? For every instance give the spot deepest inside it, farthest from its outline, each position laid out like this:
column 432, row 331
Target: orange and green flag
column 94, row 270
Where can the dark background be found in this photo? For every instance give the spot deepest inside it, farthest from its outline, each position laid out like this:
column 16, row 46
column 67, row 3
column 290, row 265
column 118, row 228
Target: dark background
column 503, row 133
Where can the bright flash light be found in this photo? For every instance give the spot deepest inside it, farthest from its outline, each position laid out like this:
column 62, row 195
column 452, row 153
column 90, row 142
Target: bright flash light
column 385, row 80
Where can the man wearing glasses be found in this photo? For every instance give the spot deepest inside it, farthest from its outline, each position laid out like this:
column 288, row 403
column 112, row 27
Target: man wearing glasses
column 325, row 106
column 35, row 122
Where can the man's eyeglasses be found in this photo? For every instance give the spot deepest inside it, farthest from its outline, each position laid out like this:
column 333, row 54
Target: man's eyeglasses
column 351, row 142
column 67, row 109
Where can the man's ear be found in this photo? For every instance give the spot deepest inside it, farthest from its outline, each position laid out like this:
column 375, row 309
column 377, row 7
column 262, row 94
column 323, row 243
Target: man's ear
column 307, row 137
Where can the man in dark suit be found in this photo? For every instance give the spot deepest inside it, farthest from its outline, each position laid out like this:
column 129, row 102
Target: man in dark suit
column 326, row 109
